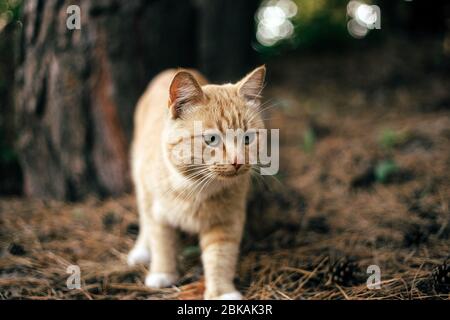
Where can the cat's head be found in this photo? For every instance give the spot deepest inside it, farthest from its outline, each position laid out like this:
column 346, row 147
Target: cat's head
column 213, row 130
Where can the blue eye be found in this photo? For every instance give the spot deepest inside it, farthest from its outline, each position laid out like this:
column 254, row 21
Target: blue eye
column 249, row 137
column 212, row 140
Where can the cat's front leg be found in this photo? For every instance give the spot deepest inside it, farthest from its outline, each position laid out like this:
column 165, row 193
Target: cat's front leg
column 163, row 269
column 141, row 250
column 220, row 249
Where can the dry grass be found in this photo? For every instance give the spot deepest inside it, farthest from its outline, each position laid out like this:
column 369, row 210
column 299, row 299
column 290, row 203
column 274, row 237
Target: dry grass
column 327, row 205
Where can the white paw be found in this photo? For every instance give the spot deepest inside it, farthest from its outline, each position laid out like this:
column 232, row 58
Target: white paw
column 138, row 255
column 235, row 295
column 160, row 280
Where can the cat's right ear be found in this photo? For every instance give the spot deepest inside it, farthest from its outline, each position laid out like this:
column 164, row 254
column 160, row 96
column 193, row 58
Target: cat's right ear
column 251, row 86
column 184, row 92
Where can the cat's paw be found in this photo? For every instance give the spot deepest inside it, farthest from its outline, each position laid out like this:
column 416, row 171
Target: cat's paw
column 138, row 255
column 234, row 295
column 160, row 280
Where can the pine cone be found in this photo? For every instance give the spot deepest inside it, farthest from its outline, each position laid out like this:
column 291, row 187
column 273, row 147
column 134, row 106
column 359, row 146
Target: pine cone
column 344, row 272
column 441, row 278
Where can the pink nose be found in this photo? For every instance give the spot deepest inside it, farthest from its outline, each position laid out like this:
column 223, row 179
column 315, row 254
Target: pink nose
column 236, row 165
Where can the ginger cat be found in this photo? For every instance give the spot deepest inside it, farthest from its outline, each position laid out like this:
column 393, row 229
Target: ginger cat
column 208, row 199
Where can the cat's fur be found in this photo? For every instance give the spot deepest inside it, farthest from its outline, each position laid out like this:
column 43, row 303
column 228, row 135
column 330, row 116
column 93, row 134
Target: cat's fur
column 167, row 194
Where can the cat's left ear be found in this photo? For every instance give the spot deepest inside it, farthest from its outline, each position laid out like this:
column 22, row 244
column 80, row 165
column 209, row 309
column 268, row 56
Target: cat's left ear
column 251, row 85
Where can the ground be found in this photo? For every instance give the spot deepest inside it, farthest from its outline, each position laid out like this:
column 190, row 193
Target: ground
column 364, row 180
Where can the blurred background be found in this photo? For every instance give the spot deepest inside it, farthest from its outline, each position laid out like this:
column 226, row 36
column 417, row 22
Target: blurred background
column 359, row 91
column 68, row 96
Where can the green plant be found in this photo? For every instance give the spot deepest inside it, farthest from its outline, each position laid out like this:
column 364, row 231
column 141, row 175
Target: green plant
column 190, row 251
column 389, row 139
column 309, row 140
column 385, row 169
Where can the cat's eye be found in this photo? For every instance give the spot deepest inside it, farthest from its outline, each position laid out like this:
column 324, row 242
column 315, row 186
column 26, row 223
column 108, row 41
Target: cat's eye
column 249, row 137
column 212, row 139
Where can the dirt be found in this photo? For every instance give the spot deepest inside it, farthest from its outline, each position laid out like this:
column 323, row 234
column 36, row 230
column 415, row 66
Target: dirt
column 364, row 180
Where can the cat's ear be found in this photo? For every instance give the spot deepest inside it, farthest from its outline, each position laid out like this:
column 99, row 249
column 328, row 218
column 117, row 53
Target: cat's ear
column 251, row 85
column 184, row 92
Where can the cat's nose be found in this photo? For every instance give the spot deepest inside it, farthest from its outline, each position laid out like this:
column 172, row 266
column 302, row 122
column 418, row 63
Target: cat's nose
column 236, row 165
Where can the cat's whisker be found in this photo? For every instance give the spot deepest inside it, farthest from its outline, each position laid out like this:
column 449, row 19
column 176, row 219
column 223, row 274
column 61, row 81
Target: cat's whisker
column 189, row 177
column 194, row 166
column 187, row 194
column 176, row 185
column 263, row 178
column 191, row 170
column 195, row 172
column 206, row 172
column 263, row 107
column 256, row 113
column 254, row 124
column 259, row 111
column 257, row 177
column 208, row 182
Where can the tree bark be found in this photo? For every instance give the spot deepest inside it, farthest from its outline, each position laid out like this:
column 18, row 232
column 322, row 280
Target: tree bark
column 77, row 89
column 10, row 173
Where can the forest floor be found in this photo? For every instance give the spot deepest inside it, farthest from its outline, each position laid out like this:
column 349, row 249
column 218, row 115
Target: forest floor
column 364, row 180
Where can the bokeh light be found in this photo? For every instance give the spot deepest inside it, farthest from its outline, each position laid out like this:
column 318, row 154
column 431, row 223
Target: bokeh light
column 274, row 23
column 365, row 17
column 356, row 30
column 8, row 12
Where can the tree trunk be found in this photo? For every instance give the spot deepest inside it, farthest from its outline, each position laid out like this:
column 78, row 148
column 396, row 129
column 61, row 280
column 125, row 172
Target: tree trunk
column 76, row 89
column 226, row 31
column 10, row 173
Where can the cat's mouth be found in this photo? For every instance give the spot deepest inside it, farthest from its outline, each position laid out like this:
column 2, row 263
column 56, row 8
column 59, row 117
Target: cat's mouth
column 225, row 175
column 228, row 175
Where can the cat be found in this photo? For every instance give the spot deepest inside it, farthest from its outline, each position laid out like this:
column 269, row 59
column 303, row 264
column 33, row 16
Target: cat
column 204, row 199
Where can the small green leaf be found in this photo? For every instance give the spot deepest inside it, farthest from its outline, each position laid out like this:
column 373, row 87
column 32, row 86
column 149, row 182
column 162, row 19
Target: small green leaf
column 390, row 138
column 191, row 251
column 385, row 169
column 78, row 214
column 309, row 140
